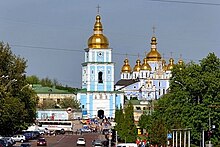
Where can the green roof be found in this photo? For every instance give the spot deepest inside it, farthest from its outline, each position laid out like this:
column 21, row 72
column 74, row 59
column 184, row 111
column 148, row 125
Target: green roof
column 39, row 89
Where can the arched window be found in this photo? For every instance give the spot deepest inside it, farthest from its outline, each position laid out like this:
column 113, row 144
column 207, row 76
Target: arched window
column 100, row 77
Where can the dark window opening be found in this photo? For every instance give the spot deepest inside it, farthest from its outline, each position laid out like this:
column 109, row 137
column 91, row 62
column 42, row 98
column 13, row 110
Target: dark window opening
column 100, row 77
column 101, row 114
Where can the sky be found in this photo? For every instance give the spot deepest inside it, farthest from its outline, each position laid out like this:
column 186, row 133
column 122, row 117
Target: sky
column 52, row 34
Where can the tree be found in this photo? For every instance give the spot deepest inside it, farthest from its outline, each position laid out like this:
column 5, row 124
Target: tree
column 145, row 121
column 130, row 127
column 47, row 104
column 158, row 132
column 70, row 102
column 120, row 123
column 194, row 89
column 33, row 79
column 17, row 107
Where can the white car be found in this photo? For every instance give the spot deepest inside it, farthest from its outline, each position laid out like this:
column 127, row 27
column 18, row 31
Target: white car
column 18, row 138
column 81, row 141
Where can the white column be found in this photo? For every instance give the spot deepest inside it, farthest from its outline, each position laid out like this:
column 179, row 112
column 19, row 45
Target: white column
column 176, row 137
column 173, row 137
column 203, row 138
column 180, row 137
column 188, row 138
column 184, row 138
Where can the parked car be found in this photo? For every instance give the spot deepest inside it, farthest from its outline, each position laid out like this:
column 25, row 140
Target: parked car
column 19, row 138
column 41, row 142
column 81, row 141
column 10, row 141
column 3, row 143
column 97, row 143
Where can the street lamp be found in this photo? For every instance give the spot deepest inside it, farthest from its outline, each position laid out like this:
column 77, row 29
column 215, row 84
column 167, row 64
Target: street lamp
column 9, row 83
column 110, row 137
column 180, row 84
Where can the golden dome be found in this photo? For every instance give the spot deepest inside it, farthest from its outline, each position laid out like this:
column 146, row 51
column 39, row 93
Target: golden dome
column 137, row 67
column 171, row 64
column 98, row 40
column 145, row 65
column 126, row 67
column 180, row 62
column 164, row 66
column 153, row 55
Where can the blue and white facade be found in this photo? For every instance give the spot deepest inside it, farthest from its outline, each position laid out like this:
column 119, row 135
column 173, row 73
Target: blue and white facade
column 148, row 80
column 98, row 97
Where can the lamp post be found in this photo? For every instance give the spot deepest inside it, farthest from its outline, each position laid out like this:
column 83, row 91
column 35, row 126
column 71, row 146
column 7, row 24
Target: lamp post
column 9, row 83
column 110, row 137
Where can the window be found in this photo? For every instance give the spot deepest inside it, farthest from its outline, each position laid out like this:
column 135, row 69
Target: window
column 100, row 77
column 163, row 91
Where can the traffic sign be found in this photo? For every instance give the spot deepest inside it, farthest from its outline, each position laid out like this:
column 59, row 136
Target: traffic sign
column 169, row 136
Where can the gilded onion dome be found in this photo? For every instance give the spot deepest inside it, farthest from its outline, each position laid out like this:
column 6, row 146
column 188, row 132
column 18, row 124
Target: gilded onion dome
column 153, row 55
column 145, row 65
column 126, row 67
column 98, row 40
column 171, row 64
column 164, row 66
column 137, row 67
column 180, row 62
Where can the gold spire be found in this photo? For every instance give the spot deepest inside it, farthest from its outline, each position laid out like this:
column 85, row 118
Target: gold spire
column 180, row 62
column 98, row 40
column 153, row 55
column 145, row 65
column 164, row 66
column 171, row 64
column 137, row 67
column 126, row 67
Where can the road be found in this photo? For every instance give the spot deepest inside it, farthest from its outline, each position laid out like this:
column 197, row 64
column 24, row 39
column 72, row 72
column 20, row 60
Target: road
column 66, row 140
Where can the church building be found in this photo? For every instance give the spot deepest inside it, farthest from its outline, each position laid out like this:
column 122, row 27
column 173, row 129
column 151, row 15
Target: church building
column 98, row 97
column 147, row 80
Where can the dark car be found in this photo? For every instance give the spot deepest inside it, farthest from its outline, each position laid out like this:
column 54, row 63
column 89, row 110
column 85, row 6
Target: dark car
column 2, row 143
column 41, row 142
column 25, row 145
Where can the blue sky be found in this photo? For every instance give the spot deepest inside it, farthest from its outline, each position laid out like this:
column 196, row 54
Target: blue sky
column 52, row 34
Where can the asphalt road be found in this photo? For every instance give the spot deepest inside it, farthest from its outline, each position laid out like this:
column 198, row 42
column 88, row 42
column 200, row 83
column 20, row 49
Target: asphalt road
column 66, row 140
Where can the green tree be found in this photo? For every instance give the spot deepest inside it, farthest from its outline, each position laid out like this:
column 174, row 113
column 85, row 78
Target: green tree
column 194, row 96
column 70, row 102
column 17, row 107
column 158, row 132
column 129, row 127
column 33, row 79
column 145, row 121
column 120, row 123
column 47, row 104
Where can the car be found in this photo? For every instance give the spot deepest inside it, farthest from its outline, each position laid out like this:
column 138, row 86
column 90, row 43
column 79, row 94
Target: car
column 97, row 143
column 25, row 145
column 81, row 141
column 41, row 142
column 10, row 141
column 3, row 143
column 19, row 138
